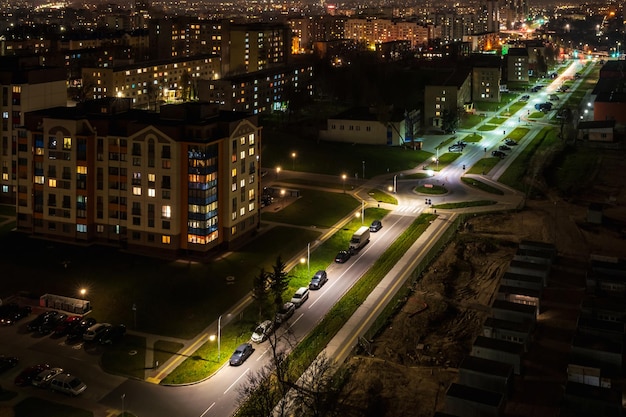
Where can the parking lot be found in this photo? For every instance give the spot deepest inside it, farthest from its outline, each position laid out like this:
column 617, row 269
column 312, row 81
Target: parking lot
column 79, row 359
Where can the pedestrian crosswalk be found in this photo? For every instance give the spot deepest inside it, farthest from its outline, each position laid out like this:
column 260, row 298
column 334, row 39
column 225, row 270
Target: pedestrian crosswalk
column 410, row 208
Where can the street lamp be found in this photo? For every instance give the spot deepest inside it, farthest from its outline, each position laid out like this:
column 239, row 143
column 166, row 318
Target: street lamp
column 343, row 177
column 363, row 169
column 362, row 213
column 277, row 172
column 436, row 160
column 293, row 161
column 395, row 183
column 83, row 291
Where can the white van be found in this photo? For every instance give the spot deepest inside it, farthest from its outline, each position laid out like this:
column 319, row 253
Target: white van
column 300, row 296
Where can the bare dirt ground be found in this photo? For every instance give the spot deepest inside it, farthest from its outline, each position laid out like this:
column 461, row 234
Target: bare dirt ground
column 415, row 358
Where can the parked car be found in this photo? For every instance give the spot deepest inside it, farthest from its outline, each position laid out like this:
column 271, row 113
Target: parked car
column 300, row 296
column 41, row 319
column 48, row 326
column 77, row 331
column 318, row 280
column 504, row 148
column 510, row 142
column 12, row 312
column 94, row 331
column 376, row 226
column 455, row 148
column 525, row 97
column 66, row 326
column 240, row 354
column 285, row 312
column 536, row 88
column 26, row 376
column 498, row 154
column 44, row 377
column 112, row 334
column 342, row 256
column 262, row 331
column 67, row 384
column 7, row 362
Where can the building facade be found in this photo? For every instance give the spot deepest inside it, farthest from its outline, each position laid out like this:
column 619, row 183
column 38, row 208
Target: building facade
column 185, row 179
column 448, row 94
column 25, row 86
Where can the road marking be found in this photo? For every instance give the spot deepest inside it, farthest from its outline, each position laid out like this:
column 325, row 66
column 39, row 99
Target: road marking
column 207, row 410
column 236, row 380
column 262, row 354
column 295, row 321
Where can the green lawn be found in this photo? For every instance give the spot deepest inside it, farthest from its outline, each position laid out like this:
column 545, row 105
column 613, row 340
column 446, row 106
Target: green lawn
column 473, row 182
column 334, row 158
column 434, row 190
column 314, row 208
column 536, row 115
column 486, row 128
column 465, row 204
column 468, row 121
column 483, row 166
column 472, row 137
column 497, row 120
column 382, row 196
column 518, row 133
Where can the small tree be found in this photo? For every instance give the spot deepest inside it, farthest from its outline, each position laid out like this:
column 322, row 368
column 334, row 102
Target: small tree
column 279, row 281
column 260, row 284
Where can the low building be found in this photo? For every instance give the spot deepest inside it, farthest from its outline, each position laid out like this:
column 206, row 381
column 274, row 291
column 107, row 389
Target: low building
column 587, row 400
column 520, row 313
column 465, row 401
column 597, row 130
column 609, row 355
column 533, row 256
column 520, row 295
column 369, row 126
column 604, row 308
column 534, row 245
column 511, row 331
column 529, row 268
column 487, row 374
column 499, row 350
column 603, row 329
column 532, row 282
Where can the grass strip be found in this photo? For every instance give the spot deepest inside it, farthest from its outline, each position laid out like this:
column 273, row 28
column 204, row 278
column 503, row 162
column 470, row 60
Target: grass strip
column 434, row 190
column 473, row 182
column 381, row 196
column 521, row 166
column 465, row 204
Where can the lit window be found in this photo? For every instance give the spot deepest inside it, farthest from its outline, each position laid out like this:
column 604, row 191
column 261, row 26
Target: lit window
column 166, row 239
column 52, row 183
column 166, row 212
column 242, row 154
column 242, row 140
column 38, row 179
column 233, row 230
column 233, row 187
column 242, row 211
column 251, row 151
column 136, row 190
column 243, row 183
column 251, row 139
column 5, row 176
column 151, row 177
column 233, row 173
column 81, row 170
column 151, row 192
column 67, row 144
column 251, row 206
column 81, row 228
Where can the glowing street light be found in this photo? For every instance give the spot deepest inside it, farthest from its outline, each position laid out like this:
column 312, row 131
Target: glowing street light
column 83, row 292
column 343, row 177
column 219, row 338
column 362, row 213
column 277, row 172
column 293, row 161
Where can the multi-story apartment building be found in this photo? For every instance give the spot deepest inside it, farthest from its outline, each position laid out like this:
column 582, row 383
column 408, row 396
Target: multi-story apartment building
column 262, row 91
column 25, row 86
column 486, row 82
column 373, row 31
column 152, row 82
column 182, row 179
column 517, row 65
column 180, row 36
column 450, row 93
